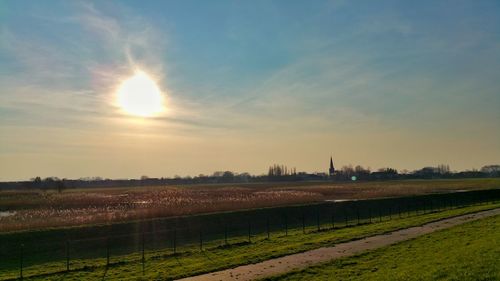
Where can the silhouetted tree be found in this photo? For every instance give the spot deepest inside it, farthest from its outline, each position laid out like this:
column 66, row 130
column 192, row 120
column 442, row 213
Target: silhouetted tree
column 491, row 170
column 36, row 182
column 228, row 176
column 443, row 169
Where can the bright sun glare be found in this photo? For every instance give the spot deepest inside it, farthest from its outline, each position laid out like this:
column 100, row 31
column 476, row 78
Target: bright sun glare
column 140, row 96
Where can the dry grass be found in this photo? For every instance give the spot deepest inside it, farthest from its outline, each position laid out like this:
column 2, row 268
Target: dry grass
column 36, row 209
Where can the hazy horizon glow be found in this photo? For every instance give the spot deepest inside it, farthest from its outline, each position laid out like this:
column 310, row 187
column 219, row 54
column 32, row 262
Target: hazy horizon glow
column 241, row 85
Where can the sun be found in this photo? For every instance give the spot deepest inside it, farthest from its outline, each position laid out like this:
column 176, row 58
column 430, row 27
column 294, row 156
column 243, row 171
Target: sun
column 140, row 96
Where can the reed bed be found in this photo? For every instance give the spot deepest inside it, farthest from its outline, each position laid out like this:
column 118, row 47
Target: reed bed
column 37, row 209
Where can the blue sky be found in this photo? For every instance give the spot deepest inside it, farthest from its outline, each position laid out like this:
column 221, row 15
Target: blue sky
column 248, row 83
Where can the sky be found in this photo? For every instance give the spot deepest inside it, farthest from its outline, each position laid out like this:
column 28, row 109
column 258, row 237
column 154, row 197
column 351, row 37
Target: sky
column 246, row 84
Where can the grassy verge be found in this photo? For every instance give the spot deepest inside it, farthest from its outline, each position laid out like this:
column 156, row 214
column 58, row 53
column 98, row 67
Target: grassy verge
column 467, row 252
column 163, row 265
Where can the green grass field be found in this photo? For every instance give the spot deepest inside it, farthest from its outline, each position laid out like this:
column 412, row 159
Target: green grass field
column 467, row 252
column 162, row 265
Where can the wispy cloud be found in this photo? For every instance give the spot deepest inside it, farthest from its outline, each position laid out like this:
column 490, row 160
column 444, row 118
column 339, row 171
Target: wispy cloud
column 262, row 76
column 78, row 72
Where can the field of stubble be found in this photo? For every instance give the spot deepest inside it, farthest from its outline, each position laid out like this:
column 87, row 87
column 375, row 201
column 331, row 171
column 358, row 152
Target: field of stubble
column 36, row 209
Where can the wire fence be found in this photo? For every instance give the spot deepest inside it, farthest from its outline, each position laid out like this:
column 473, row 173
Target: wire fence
column 49, row 252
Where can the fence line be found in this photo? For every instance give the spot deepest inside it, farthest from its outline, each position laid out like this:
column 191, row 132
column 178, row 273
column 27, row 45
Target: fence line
column 242, row 227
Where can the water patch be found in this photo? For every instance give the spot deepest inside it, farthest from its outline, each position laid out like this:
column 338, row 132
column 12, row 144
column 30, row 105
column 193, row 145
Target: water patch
column 341, row 200
column 4, row 214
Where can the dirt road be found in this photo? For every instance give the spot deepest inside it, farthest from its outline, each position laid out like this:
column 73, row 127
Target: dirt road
column 302, row 260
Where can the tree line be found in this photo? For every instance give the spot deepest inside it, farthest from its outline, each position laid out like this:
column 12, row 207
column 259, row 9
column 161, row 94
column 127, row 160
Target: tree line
column 275, row 173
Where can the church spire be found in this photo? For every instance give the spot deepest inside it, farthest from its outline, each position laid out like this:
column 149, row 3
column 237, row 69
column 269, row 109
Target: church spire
column 332, row 169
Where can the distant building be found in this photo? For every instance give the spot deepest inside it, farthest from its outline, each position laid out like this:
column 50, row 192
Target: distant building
column 331, row 171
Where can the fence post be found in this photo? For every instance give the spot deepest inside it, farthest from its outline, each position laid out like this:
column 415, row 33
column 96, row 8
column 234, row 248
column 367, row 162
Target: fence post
column 333, row 215
column 408, row 207
column 357, row 214
column 379, row 215
column 107, row 251
column 370, row 213
column 175, row 241
column 201, row 241
column 390, row 212
column 67, row 255
column 249, row 232
column 317, row 220
column 225, row 234
column 267, row 228
column 286, row 224
column 345, row 218
column 21, row 261
column 143, row 258
column 399, row 210
column 405, row 206
column 303, row 224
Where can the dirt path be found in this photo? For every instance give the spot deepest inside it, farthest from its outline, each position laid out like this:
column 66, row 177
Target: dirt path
column 302, row 260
